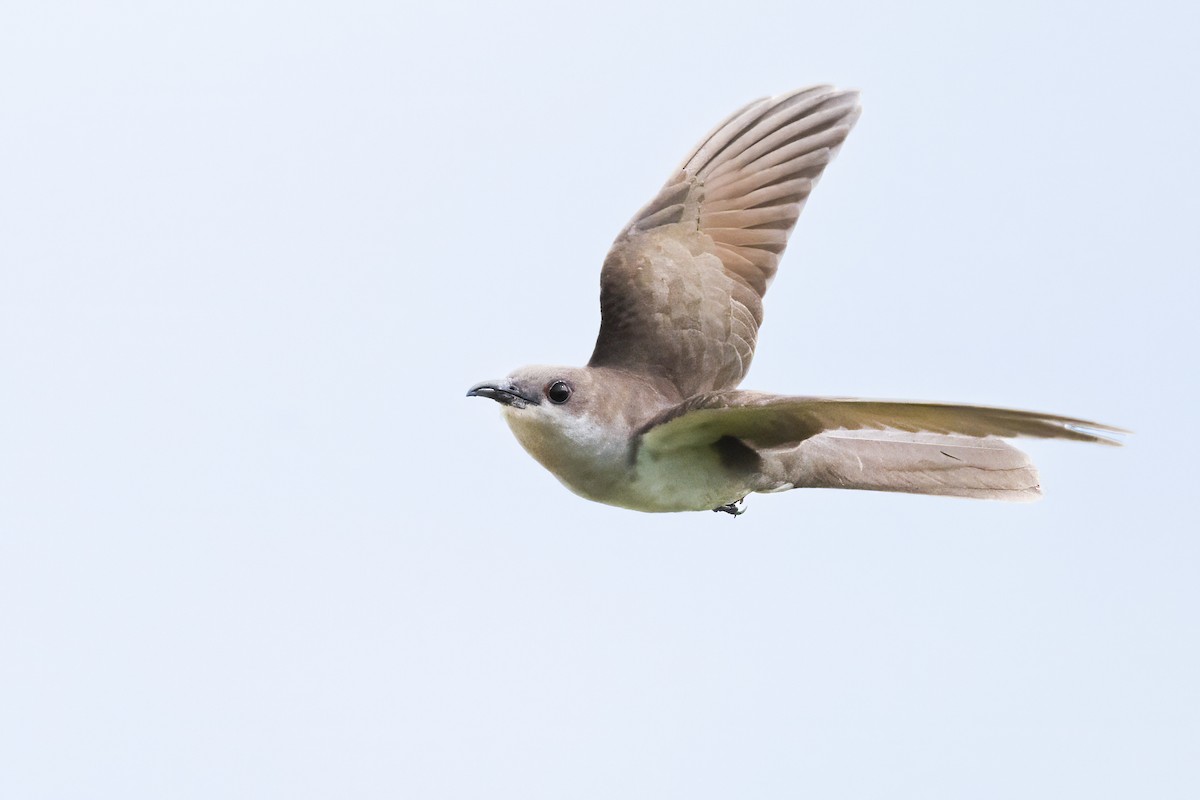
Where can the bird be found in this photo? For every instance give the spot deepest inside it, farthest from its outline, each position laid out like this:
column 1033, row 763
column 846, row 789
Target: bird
column 655, row 422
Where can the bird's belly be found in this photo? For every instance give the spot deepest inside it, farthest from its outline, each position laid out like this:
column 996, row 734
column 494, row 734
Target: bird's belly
column 686, row 480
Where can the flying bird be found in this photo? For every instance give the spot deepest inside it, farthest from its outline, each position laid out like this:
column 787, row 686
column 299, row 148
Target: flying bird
column 655, row 422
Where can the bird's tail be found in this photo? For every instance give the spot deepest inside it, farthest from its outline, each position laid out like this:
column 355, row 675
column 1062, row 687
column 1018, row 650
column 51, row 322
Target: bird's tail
column 899, row 461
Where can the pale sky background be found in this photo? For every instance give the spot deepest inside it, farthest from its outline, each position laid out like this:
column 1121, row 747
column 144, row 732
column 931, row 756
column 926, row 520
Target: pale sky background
column 256, row 543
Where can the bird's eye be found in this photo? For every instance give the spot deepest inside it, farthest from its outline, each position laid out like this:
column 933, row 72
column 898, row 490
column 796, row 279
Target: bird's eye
column 559, row 392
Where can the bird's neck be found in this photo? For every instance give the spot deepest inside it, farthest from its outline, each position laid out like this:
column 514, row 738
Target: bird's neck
column 587, row 455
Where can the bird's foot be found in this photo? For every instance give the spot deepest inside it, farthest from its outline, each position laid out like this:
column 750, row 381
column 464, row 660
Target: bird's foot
column 734, row 508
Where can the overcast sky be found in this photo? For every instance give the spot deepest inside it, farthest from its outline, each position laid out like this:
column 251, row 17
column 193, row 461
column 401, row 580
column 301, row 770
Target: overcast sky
column 255, row 542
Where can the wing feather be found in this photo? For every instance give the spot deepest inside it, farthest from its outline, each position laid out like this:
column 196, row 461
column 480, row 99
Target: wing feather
column 768, row 421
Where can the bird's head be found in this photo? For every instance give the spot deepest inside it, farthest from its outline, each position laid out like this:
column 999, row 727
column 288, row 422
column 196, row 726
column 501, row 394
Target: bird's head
column 542, row 393
column 559, row 414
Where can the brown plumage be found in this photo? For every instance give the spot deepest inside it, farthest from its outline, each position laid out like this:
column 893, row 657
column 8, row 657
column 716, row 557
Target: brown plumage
column 681, row 290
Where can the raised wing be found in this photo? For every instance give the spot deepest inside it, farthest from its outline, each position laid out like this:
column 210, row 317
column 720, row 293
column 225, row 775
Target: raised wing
column 681, row 290
column 766, row 421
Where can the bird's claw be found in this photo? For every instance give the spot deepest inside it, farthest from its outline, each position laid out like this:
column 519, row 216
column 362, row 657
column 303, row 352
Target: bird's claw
column 733, row 508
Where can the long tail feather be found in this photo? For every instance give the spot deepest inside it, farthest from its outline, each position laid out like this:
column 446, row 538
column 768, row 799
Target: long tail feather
column 898, row 461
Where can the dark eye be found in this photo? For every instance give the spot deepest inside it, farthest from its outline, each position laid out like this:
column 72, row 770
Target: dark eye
column 558, row 392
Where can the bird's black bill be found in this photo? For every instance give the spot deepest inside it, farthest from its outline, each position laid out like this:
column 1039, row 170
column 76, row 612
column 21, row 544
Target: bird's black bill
column 505, row 395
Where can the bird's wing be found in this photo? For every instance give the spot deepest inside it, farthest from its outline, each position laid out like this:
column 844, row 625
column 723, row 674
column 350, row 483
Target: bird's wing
column 681, row 289
column 767, row 420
